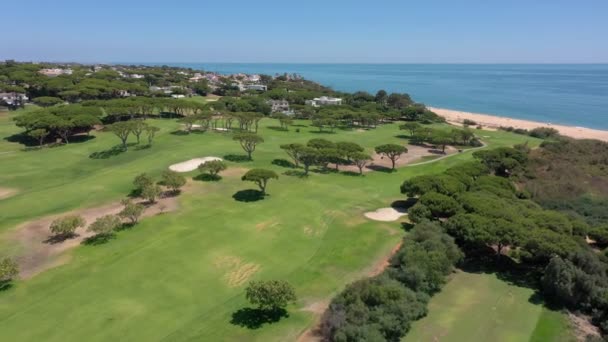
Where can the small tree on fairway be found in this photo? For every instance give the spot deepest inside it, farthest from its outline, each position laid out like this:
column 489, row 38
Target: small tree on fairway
column 122, row 130
column 138, row 127
column 308, row 156
column 39, row 134
column 411, row 127
column 66, row 226
column 213, row 167
column 260, row 177
column 8, row 270
column 151, row 133
column 142, row 180
column 392, row 151
column 442, row 139
column 151, row 192
column 293, row 151
column 270, row 295
column 105, row 225
column 348, row 148
column 361, row 159
column 131, row 211
column 173, row 180
column 248, row 142
column 189, row 122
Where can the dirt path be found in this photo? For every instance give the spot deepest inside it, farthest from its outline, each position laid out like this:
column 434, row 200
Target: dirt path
column 40, row 253
column 318, row 308
column 7, row 192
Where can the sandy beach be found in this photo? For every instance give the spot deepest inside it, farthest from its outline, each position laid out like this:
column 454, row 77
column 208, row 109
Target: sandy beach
column 492, row 121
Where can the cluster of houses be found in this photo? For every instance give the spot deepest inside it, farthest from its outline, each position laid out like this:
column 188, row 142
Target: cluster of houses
column 13, row 100
column 324, row 101
column 55, row 72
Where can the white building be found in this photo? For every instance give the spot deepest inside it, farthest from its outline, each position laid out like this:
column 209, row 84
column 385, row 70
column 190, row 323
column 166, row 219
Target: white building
column 324, row 101
column 258, row 87
column 137, row 76
column 278, row 105
column 13, row 99
column 55, row 72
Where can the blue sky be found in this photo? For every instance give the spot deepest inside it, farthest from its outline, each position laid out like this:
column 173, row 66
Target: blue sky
column 331, row 31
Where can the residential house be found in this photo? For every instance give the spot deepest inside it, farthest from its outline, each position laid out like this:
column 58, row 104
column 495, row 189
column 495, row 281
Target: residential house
column 278, row 105
column 258, row 87
column 13, row 99
column 55, row 72
column 324, row 101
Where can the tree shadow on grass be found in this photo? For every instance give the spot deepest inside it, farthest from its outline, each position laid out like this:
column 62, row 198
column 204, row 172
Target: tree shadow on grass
column 98, row 239
column 27, row 141
column 249, row 195
column 403, row 136
column 180, row 132
column 205, row 177
column 5, row 285
column 251, row 318
column 277, row 128
column 380, row 168
column 142, row 147
column 114, row 151
column 295, row 173
column 59, row 238
column 283, row 163
column 237, row 158
column 352, row 173
column 322, row 132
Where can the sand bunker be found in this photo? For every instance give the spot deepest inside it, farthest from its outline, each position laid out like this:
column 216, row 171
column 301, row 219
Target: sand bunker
column 191, row 164
column 386, row 214
column 221, row 129
column 7, row 192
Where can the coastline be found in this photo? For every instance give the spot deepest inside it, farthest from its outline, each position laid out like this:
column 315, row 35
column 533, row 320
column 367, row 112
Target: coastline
column 495, row 121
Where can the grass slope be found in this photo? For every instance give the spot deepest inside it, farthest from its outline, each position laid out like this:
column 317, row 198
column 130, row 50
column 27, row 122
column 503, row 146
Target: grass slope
column 482, row 307
column 180, row 275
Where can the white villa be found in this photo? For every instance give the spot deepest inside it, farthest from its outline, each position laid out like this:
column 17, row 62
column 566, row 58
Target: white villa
column 324, row 101
column 55, row 72
column 258, row 87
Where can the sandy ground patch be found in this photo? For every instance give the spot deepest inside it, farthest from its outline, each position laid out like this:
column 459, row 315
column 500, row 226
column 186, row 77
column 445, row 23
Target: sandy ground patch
column 7, row 192
column 191, row 165
column 494, row 121
column 414, row 154
column 237, row 271
column 386, row 214
column 234, row 172
column 221, row 129
column 583, row 327
column 39, row 254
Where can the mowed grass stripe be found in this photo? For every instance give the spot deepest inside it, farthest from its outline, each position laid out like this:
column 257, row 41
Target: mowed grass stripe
column 482, row 307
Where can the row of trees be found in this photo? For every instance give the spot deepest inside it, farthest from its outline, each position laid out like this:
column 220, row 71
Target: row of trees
column 420, row 134
column 382, row 308
column 479, row 206
column 322, row 152
column 58, row 122
column 137, row 128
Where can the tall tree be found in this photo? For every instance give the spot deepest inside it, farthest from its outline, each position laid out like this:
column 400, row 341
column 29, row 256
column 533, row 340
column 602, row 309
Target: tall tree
column 260, row 177
column 293, row 150
column 391, row 151
column 270, row 295
column 122, row 130
column 248, row 142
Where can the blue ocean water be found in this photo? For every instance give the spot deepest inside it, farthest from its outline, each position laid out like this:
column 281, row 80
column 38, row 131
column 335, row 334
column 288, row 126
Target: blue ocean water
column 572, row 94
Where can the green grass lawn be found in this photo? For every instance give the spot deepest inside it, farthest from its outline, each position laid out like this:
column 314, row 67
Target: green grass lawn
column 481, row 307
column 180, row 275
